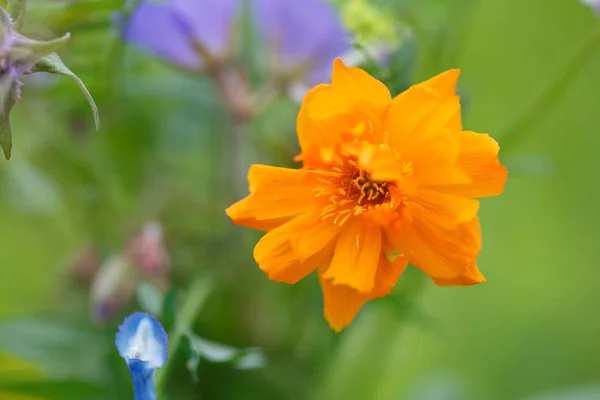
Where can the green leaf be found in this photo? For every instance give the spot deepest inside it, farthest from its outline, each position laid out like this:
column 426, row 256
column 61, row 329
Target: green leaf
column 150, row 299
column 55, row 390
column 28, row 51
column 62, row 348
column 7, row 102
column 52, row 64
column 199, row 348
column 169, row 308
column 17, row 10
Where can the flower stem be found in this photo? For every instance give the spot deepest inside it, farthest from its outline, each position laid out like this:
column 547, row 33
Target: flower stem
column 236, row 158
column 197, row 295
column 553, row 90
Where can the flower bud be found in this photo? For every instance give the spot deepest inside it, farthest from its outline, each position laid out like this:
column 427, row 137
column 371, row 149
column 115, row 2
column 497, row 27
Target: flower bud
column 143, row 343
column 113, row 287
column 148, row 253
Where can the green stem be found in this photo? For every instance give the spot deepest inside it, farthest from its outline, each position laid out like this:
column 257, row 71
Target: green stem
column 553, row 90
column 197, row 295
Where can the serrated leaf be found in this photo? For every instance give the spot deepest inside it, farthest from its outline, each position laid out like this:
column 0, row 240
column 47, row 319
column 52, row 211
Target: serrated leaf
column 5, row 24
column 27, row 51
column 17, row 9
column 149, row 298
column 52, row 64
column 7, row 89
column 5, row 128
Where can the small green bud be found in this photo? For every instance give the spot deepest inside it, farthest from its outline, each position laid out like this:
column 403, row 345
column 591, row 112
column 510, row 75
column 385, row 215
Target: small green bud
column 370, row 24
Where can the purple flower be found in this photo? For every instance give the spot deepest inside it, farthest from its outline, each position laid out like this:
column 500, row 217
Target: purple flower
column 180, row 31
column 302, row 37
column 306, row 35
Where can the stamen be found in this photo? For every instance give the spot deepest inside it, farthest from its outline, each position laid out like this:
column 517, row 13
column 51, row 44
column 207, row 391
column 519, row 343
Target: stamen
column 350, row 190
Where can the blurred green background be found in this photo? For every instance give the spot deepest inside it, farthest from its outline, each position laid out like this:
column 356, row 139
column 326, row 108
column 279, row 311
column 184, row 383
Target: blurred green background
column 163, row 153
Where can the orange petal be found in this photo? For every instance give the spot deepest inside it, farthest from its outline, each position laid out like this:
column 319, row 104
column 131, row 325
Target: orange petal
column 435, row 162
column 388, row 274
column 478, row 158
column 441, row 253
column 426, row 137
column 279, row 259
column 314, row 132
column 356, row 82
column 313, row 236
column 443, row 84
column 356, row 256
column 277, row 195
column 423, row 110
column 382, row 162
column 441, row 209
column 471, row 276
column 351, row 107
column 341, row 302
column 350, row 86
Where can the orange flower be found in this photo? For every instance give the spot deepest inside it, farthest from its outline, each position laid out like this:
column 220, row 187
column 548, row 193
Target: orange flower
column 384, row 182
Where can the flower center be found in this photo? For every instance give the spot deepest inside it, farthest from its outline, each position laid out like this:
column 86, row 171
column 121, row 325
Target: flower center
column 350, row 190
column 369, row 192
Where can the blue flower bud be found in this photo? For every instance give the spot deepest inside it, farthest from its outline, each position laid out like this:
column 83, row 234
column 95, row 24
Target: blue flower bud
column 142, row 342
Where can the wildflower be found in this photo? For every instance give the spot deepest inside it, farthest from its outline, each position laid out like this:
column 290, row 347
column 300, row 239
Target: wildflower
column 187, row 33
column 142, row 342
column 303, row 37
column 384, row 182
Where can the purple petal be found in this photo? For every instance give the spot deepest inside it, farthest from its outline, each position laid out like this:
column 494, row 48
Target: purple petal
column 210, row 21
column 308, row 31
column 157, row 28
